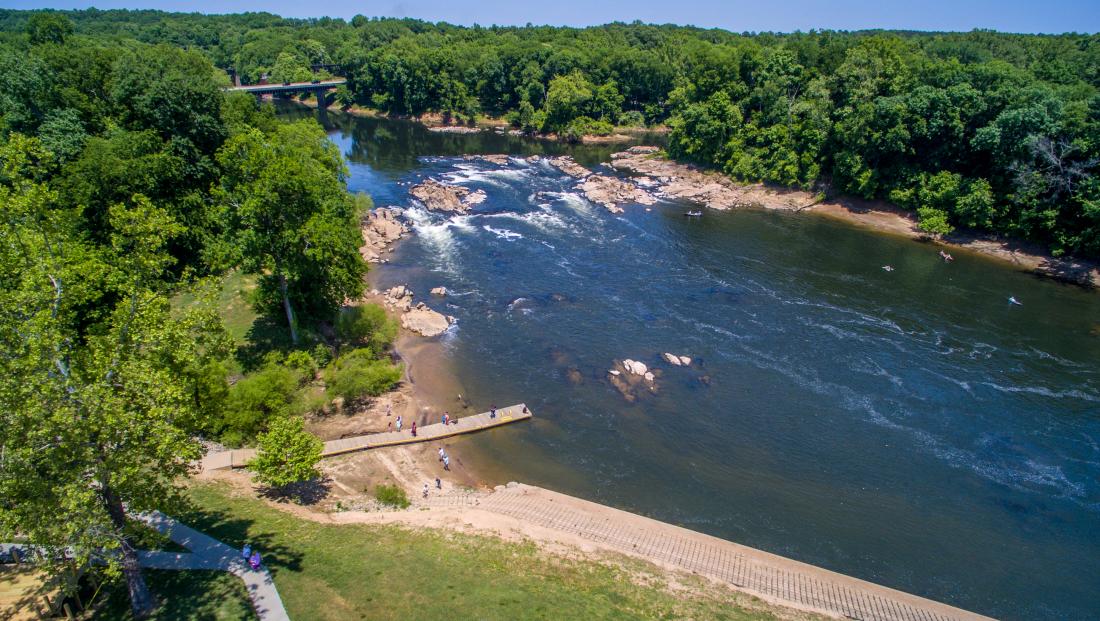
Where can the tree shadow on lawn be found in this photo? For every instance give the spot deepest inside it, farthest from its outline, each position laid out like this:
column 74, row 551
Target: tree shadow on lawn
column 235, row 532
column 306, row 493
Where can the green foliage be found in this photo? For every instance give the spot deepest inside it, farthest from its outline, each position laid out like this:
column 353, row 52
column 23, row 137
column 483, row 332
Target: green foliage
column 286, row 454
column 359, row 374
column 48, row 28
column 392, row 495
column 933, row 221
column 366, row 325
column 253, row 401
column 295, row 222
column 99, row 408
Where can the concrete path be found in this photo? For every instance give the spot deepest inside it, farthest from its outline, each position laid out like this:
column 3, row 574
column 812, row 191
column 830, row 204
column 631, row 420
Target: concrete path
column 210, row 554
column 238, row 458
column 771, row 577
column 206, row 554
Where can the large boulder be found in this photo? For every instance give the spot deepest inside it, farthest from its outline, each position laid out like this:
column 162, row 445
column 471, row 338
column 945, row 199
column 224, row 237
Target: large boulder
column 425, row 321
column 569, row 166
column 380, row 229
column 448, row 198
column 612, row 192
column 399, row 297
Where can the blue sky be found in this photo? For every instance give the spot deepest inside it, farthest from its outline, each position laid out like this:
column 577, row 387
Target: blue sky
column 736, row 15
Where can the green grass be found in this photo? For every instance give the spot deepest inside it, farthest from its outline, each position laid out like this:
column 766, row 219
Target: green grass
column 391, row 495
column 186, row 596
column 360, row 571
column 233, row 304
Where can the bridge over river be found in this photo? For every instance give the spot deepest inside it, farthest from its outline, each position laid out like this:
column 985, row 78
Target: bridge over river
column 318, row 89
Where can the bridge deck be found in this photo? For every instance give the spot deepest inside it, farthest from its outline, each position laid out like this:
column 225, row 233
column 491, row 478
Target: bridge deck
column 468, row 424
column 292, row 87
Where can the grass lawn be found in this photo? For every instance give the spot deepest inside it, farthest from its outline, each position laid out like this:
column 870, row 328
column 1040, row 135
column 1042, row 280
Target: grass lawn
column 387, row 572
column 186, row 596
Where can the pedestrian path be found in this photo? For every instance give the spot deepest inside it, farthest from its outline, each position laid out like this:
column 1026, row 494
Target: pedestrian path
column 769, row 576
column 206, row 553
column 238, row 458
column 210, row 554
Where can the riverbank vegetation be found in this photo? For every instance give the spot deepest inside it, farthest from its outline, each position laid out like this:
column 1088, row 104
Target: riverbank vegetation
column 980, row 130
column 140, row 206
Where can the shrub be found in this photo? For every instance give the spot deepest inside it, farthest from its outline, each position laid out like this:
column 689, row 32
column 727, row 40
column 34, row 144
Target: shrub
column 632, row 118
column 359, row 374
column 302, row 362
column 583, row 126
column 269, row 393
column 366, row 325
column 392, row 495
column 287, row 454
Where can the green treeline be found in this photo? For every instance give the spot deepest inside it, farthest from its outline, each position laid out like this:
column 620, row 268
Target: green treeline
column 979, row 130
column 132, row 187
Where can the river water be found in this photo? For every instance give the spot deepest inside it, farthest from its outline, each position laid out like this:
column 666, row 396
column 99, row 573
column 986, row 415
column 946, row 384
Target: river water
column 910, row 427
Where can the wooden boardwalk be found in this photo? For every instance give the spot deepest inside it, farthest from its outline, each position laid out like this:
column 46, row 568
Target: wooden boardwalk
column 237, row 458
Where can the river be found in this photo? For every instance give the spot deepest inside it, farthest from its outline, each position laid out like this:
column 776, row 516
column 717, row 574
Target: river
column 908, row 427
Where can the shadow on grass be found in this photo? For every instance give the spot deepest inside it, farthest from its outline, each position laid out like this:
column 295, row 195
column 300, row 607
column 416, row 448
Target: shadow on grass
column 236, row 531
column 304, row 493
column 185, row 595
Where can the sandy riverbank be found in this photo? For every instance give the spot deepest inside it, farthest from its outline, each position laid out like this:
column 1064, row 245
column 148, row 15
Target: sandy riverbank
column 673, row 180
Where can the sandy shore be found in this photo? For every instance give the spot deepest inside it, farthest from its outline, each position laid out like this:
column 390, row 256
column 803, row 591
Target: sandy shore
column 710, row 189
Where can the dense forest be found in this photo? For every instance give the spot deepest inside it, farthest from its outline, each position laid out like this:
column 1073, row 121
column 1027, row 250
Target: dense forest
column 980, row 130
column 132, row 187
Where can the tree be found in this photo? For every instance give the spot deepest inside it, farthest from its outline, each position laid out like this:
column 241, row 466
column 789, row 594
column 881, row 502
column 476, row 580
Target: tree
column 366, row 324
column 294, row 222
column 290, row 68
column 48, row 28
column 95, row 412
column 359, row 374
column 287, row 454
column 568, row 97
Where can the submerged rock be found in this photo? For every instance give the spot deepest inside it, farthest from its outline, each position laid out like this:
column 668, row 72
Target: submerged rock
column 672, row 359
column 493, row 158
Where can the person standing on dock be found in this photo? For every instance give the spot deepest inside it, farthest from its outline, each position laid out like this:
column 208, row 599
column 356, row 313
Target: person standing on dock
column 446, row 417
column 493, row 411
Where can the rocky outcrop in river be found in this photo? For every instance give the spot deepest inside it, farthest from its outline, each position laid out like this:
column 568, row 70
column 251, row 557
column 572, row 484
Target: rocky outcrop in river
column 380, row 229
column 612, row 192
column 448, row 198
column 419, row 319
column 716, row 191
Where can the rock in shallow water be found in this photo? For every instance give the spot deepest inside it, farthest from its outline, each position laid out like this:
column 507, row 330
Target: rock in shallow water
column 425, row 321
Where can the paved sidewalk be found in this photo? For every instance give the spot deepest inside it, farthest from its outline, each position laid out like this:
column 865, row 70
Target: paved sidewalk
column 209, row 553
column 206, row 553
column 771, row 577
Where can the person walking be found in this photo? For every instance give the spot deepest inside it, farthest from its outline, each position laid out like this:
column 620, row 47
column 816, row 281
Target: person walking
column 399, row 423
column 442, row 453
column 438, row 483
column 246, row 551
column 254, row 560
column 446, row 462
column 425, row 490
column 414, row 428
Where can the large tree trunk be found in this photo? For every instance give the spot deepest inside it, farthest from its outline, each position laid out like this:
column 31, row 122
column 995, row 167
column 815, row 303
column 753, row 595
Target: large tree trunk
column 141, row 600
column 289, row 310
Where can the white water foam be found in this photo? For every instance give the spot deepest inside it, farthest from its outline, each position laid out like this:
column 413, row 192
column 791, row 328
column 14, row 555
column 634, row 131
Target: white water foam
column 504, row 234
